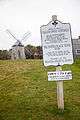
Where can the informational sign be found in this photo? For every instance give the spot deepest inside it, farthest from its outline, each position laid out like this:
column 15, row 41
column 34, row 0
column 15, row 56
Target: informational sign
column 56, row 44
column 59, row 75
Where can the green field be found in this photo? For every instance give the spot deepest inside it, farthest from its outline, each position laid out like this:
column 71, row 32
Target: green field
column 26, row 94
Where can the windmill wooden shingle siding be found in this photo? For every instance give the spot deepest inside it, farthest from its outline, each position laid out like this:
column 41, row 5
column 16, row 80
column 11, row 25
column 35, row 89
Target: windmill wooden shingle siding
column 17, row 51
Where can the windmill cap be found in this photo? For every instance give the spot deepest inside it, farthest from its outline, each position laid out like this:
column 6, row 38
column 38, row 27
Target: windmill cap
column 18, row 43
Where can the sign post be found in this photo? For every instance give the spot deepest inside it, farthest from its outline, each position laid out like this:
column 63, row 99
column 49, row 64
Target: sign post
column 60, row 94
column 57, row 51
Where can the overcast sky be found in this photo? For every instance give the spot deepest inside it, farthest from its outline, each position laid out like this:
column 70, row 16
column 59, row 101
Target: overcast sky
column 20, row 16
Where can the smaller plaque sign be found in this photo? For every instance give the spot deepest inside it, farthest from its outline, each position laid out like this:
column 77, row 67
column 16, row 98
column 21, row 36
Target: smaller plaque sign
column 59, row 75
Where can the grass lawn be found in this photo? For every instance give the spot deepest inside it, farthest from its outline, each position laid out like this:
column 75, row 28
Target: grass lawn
column 26, row 94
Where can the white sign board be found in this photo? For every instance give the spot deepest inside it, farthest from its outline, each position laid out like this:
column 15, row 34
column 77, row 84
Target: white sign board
column 59, row 75
column 56, row 44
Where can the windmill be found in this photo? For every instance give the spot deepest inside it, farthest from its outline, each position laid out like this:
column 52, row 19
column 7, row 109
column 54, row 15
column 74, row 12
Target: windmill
column 17, row 51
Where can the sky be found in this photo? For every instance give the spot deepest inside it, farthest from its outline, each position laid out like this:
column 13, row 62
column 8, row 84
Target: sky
column 21, row 16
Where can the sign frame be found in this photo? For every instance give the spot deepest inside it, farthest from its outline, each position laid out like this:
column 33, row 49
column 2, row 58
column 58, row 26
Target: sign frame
column 55, row 23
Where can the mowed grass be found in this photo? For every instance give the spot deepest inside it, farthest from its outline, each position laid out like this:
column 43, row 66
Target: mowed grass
column 26, row 94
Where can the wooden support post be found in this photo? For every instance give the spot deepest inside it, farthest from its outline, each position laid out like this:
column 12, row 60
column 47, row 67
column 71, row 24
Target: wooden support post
column 54, row 17
column 60, row 96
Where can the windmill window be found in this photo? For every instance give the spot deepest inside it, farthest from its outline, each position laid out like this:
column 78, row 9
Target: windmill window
column 78, row 51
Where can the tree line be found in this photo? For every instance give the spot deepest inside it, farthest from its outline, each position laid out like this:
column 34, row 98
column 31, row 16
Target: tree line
column 4, row 55
column 31, row 52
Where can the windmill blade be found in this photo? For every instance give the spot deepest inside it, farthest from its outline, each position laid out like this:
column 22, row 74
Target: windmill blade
column 26, row 36
column 8, row 31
